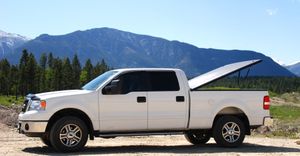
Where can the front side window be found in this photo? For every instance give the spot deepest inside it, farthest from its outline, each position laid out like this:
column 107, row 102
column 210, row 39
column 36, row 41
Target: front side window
column 95, row 83
column 126, row 83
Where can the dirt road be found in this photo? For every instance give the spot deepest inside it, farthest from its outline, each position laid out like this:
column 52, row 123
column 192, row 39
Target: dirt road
column 12, row 143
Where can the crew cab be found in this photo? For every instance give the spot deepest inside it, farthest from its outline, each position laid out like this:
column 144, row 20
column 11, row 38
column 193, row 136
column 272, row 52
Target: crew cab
column 145, row 101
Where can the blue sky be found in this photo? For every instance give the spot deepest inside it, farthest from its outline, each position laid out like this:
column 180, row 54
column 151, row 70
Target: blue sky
column 268, row 26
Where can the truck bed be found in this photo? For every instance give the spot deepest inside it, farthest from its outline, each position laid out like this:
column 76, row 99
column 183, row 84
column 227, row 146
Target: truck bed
column 205, row 105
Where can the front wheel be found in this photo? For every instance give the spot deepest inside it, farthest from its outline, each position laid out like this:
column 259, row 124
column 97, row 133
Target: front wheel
column 68, row 134
column 197, row 137
column 229, row 131
column 45, row 139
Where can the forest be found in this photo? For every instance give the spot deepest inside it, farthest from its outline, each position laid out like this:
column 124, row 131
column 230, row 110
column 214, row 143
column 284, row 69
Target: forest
column 50, row 73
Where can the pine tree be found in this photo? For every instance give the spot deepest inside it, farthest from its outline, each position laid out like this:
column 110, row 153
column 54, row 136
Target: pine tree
column 32, row 77
column 97, row 70
column 42, row 69
column 87, row 72
column 43, row 61
column 67, row 75
column 14, row 78
column 49, row 73
column 23, row 87
column 5, row 77
column 57, row 74
column 100, row 68
column 50, row 60
column 76, row 72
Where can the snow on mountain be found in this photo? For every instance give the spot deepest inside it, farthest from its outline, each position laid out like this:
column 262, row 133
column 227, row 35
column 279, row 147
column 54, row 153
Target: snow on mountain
column 10, row 41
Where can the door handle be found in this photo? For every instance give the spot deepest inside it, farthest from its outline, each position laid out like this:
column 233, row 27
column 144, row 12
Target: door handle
column 141, row 99
column 179, row 98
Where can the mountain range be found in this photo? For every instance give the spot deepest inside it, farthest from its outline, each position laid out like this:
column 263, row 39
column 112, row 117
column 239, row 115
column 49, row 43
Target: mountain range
column 10, row 41
column 294, row 68
column 122, row 49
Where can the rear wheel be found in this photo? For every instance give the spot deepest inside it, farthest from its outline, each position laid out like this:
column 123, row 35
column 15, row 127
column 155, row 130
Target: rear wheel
column 197, row 137
column 229, row 131
column 68, row 134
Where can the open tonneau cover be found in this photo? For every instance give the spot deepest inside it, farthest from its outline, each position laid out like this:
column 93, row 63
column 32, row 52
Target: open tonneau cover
column 220, row 72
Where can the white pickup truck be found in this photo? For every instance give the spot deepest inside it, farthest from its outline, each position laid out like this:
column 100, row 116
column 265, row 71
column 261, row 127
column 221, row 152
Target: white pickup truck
column 145, row 101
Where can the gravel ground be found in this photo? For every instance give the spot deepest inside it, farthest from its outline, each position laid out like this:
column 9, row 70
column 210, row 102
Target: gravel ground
column 12, row 143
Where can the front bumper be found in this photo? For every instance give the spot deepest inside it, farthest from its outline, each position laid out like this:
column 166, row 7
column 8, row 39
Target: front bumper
column 32, row 127
column 268, row 121
column 32, row 122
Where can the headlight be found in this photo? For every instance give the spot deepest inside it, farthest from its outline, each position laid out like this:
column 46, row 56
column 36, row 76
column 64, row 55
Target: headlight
column 37, row 105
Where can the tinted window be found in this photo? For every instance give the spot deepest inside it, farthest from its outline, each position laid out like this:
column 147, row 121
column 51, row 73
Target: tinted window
column 129, row 82
column 133, row 82
column 163, row 81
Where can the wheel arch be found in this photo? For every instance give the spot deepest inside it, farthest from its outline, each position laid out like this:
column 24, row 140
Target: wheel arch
column 234, row 111
column 71, row 112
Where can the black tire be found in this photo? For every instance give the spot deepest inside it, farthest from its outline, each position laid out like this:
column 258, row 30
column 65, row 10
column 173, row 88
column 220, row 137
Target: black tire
column 229, row 131
column 197, row 137
column 45, row 139
column 68, row 134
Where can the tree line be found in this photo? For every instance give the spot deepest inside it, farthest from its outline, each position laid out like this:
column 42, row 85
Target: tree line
column 277, row 85
column 49, row 73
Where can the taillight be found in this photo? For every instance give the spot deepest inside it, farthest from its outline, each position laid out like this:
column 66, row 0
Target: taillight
column 266, row 103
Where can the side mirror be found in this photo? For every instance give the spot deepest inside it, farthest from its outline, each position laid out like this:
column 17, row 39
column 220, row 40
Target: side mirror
column 114, row 82
column 111, row 87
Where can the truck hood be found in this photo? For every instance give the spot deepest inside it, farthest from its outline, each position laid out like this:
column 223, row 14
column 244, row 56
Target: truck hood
column 219, row 73
column 55, row 94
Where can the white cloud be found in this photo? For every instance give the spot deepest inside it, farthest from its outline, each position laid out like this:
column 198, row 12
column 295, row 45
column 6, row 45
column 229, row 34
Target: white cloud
column 271, row 12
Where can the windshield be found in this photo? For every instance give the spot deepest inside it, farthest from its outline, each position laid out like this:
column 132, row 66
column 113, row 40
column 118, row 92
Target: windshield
column 95, row 83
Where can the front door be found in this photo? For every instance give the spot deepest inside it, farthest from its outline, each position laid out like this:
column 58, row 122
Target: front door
column 123, row 107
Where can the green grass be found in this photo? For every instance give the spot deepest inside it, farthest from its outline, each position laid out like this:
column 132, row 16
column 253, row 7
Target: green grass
column 285, row 113
column 273, row 94
column 286, row 121
column 9, row 100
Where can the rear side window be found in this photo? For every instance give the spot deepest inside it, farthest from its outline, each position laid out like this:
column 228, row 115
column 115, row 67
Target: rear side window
column 163, row 81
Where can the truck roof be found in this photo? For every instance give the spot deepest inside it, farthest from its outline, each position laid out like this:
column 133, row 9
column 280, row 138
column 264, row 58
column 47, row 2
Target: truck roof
column 147, row 69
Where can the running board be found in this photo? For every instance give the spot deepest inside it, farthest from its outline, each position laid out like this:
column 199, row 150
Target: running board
column 140, row 133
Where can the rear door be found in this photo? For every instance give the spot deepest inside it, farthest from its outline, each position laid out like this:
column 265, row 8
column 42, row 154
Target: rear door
column 167, row 101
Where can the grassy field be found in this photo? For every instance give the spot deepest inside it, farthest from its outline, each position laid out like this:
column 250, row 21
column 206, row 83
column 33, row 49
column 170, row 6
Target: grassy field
column 8, row 101
column 286, row 122
column 285, row 110
column 285, row 113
